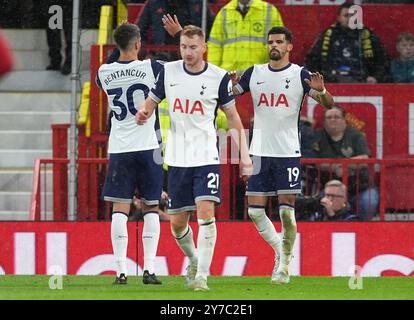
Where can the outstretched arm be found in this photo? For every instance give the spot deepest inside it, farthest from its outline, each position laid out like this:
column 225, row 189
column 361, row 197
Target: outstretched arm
column 145, row 111
column 318, row 91
column 237, row 131
column 235, row 78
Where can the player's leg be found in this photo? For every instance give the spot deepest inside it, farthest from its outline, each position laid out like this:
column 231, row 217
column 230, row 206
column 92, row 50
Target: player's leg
column 150, row 238
column 149, row 181
column 288, row 177
column 261, row 186
column 206, row 241
column 119, row 239
column 180, row 206
column 207, row 194
column 183, row 235
column 119, row 188
column 265, row 227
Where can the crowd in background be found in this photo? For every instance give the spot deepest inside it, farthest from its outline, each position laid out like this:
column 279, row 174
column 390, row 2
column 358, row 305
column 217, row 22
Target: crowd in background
column 341, row 54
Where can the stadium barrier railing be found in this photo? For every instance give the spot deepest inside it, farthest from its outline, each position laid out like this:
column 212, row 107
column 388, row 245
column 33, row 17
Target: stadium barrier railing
column 392, row 177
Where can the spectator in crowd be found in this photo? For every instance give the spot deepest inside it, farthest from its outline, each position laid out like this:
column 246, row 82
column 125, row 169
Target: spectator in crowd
column 343, row 54
column 238, row 38
column 89, row 16
column 54, row 36
column 331, row 205
column 402, row 68
column 6, row 56
column 338, row 140
column 187, row 11
column 307, row 137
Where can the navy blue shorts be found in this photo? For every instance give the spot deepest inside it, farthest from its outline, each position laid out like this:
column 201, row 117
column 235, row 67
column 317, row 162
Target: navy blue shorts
column 130, row 170
column 186, row 186
column 275, row 176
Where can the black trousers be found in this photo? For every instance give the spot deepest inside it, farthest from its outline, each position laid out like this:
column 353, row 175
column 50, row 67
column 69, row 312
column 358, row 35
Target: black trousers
column 54, row 36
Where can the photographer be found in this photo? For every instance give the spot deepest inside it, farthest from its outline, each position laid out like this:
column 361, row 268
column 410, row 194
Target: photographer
column 331, row 206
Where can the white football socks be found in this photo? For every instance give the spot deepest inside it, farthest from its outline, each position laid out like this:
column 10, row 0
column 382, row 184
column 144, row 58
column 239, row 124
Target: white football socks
column 119, row 237
column 206, row 241
column 265, row 227
column 287, row 216
column 150, row 238
column 185, row 241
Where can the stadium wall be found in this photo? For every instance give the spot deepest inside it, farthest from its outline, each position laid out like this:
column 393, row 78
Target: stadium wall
column 321, row 249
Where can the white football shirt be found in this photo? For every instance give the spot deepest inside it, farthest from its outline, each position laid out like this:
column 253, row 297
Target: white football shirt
column 127, row 85
column 193, row 99
column 277, row 100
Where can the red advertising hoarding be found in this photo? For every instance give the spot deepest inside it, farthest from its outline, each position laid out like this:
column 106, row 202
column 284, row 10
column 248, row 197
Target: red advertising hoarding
column 321, row 249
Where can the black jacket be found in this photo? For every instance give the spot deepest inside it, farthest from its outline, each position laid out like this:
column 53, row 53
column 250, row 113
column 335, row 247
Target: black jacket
column 342, row 52
column 187, row 11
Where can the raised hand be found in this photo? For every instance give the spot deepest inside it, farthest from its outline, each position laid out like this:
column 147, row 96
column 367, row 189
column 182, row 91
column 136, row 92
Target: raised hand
column 316, row 82
column 234, row 77
column 172, row 26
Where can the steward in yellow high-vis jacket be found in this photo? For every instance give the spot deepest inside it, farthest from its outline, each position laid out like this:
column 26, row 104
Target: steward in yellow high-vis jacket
column 238, row 38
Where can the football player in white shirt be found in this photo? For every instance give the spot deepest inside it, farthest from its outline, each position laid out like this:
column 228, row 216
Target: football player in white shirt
column 194, row 89
column 133, row 151
column 278, row 89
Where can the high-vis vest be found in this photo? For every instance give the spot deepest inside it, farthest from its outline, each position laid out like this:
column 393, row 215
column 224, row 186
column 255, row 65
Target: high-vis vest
column 237, row 43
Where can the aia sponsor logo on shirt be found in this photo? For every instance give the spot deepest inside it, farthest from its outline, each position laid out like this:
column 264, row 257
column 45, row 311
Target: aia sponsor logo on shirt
column 187, row 106
column 273, row 100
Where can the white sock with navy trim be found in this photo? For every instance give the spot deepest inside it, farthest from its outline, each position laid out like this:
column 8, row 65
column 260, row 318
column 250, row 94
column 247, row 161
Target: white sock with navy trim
column 265, row 227
column 119, row 237
column 206, row 241
column 185, row 241
column 287, row 216
column 150, row 238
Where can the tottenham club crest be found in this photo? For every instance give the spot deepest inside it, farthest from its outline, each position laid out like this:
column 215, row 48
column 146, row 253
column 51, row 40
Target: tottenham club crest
column 203, row 87
column 287, row 83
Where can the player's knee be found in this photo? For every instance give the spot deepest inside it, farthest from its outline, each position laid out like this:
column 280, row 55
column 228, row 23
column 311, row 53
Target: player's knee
column 179, row 230
column 205, row 222
column 256, row 212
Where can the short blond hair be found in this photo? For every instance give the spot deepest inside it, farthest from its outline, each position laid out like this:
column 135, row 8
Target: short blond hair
column 191, row 31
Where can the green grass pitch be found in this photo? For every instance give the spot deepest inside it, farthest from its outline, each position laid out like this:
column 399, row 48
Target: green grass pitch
column 221, row 288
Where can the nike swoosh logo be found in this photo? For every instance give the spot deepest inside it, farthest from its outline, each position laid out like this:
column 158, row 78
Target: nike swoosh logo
column 260, row 82
column 293, row 184
column 173, row 84
column 214, row 191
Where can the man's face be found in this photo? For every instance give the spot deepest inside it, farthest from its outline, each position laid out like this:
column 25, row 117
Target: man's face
column 192, row 49
column 334, row 121
column 406, row 49
column 278, row 46
column 337, row 197
column 343, row 18
column 244, row 2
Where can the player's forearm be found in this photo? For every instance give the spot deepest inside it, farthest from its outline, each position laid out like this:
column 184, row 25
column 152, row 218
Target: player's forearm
column 326, row 99
column 236, row 91
column 238, row 133
column 149, row 106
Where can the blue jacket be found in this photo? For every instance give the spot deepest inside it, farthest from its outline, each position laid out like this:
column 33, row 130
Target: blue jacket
column 402, row 71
